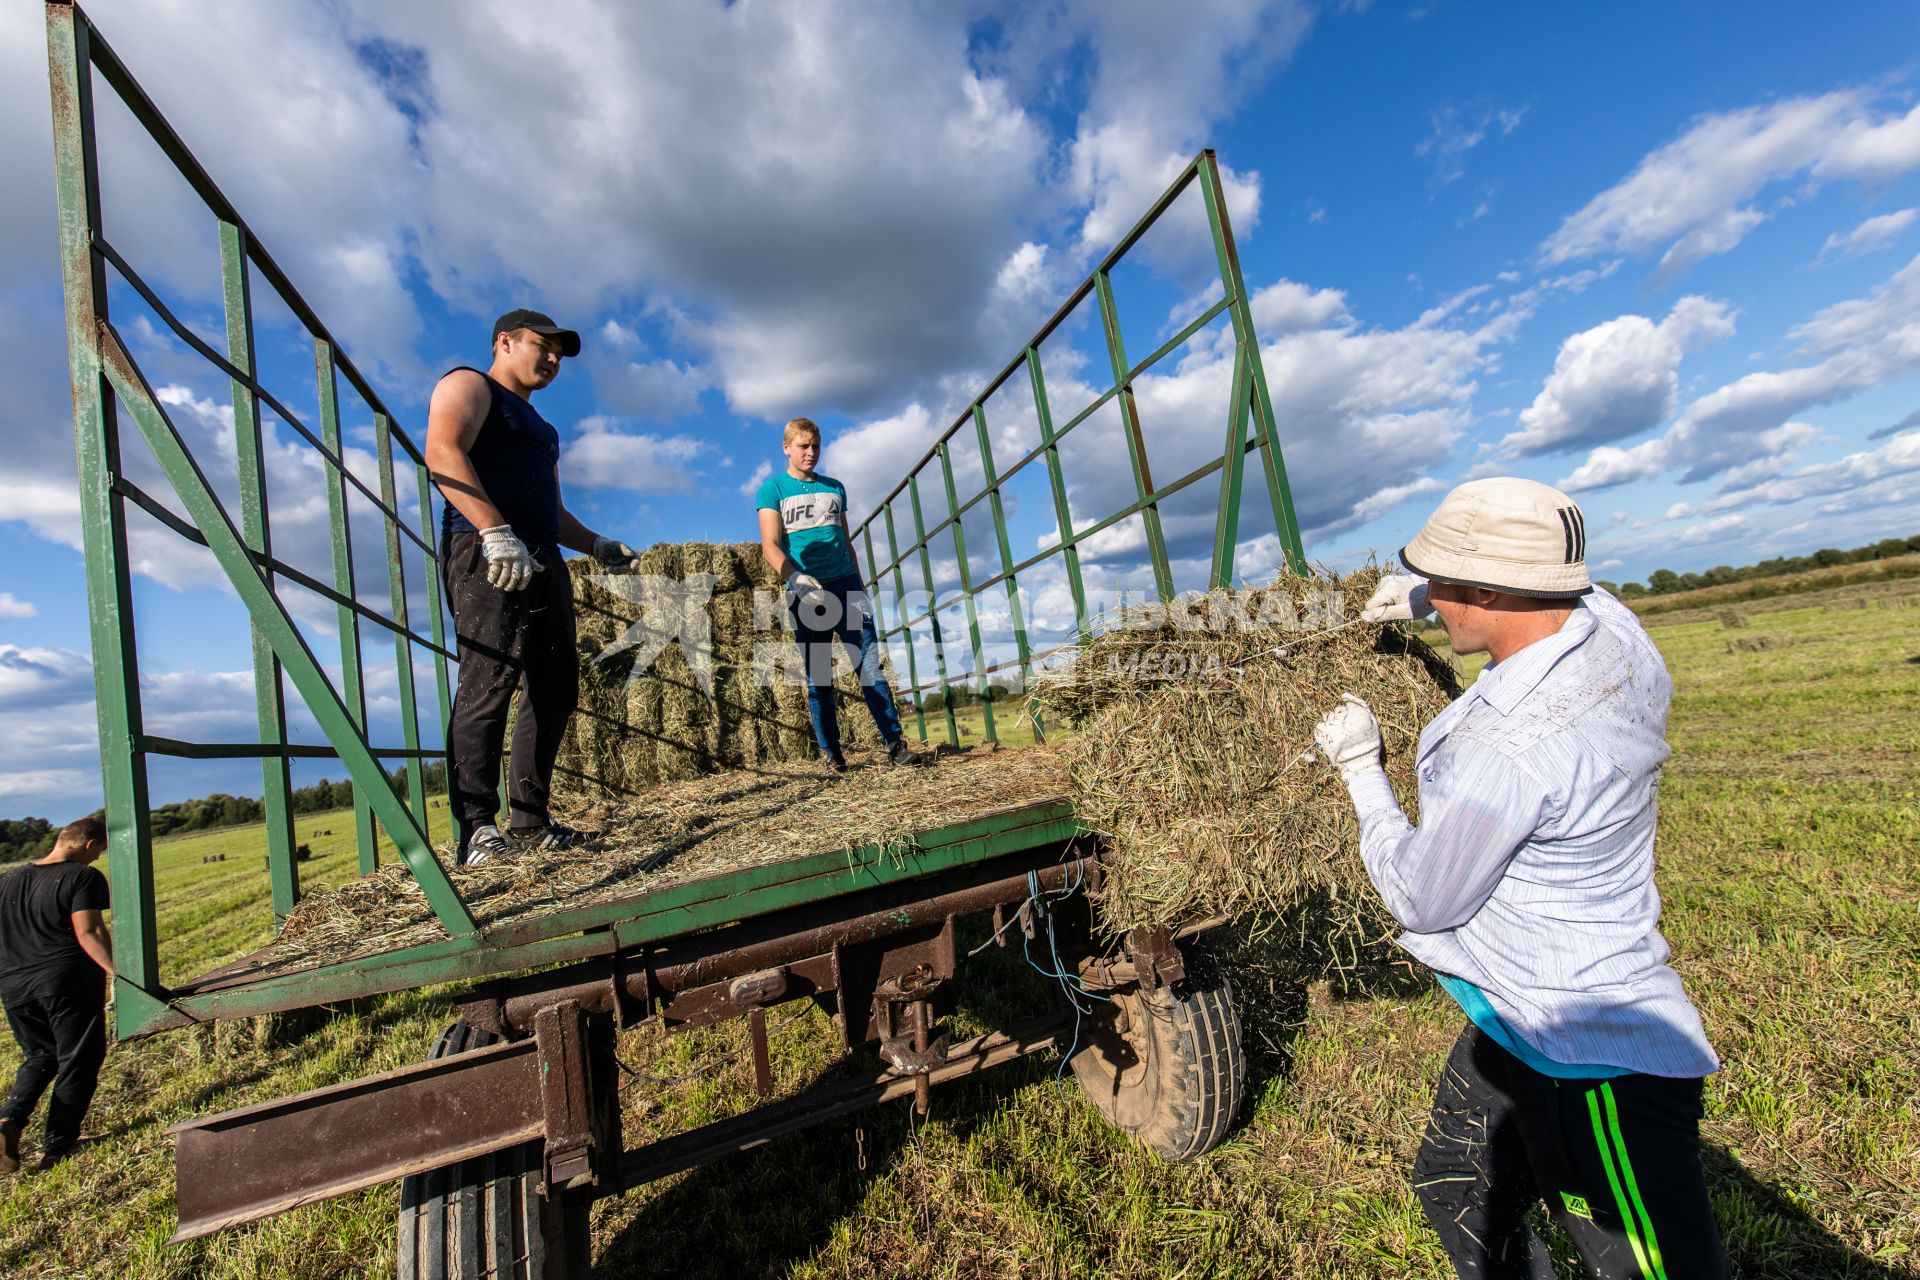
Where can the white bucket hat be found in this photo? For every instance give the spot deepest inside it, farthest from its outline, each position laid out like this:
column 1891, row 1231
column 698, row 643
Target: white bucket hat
column 1507, row 534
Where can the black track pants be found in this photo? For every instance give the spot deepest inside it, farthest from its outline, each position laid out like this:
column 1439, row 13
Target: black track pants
column 63, row 1041
column 510, row 641
column 1616, row 1161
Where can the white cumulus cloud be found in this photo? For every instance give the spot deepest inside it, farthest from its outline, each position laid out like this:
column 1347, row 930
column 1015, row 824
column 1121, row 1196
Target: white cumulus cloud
column 1616, row 379
column 1859, row 344
column 604, row 457
column 1691, row 198
column 1874, row 233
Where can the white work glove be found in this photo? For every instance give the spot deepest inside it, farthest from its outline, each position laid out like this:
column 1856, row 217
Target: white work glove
column 614, row 555
column 509, row 565
column 1400, row 597
column 1349, row 737
column 812, row 595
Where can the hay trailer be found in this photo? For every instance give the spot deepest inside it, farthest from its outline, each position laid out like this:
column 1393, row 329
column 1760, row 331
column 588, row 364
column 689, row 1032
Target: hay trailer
column 512, row 1128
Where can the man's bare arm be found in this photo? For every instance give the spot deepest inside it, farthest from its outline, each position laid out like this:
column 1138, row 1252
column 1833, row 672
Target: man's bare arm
column 90, row 928
column 773, row 543
column 454, row 416
column 575, row 536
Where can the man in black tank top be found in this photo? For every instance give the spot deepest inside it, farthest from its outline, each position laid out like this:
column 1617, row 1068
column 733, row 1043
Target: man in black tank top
column 496, row 461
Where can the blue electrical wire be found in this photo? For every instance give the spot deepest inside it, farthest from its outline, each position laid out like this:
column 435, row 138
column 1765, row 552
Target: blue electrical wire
column 1070, row 984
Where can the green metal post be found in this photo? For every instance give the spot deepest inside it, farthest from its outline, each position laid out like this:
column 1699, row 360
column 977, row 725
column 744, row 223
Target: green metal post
column 900, row 609
column 296, row 659
column 1006, row 562
column 1136, row 445
column 441, row 686
column 1247, row 342
column 402, row 647
column 933, row 617
column 283, row 873
column 352, row 677
column 103, row 527
column 966, row 587
column 1233, row 460
column 1060, row 509
column 873, row 575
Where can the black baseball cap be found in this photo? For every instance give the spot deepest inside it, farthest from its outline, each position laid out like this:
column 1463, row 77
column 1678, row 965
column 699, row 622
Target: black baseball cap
column 540, row 323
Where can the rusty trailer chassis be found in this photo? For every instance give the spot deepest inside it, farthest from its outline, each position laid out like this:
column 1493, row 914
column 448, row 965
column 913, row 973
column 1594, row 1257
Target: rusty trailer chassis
column 881, row 962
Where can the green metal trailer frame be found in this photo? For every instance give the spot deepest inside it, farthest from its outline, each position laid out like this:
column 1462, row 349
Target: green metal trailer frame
column 523, row 1109
column 106, row 378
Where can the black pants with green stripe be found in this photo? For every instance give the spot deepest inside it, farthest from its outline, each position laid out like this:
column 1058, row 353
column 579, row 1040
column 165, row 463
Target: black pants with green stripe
column 1617, row 1163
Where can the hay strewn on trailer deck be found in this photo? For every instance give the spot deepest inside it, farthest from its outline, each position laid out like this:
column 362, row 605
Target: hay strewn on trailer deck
column 676, row 832
column 1186, row 754
column 1189, row 758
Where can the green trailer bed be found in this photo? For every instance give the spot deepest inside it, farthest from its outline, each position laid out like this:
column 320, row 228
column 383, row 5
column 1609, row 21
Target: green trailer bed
column 650, row 906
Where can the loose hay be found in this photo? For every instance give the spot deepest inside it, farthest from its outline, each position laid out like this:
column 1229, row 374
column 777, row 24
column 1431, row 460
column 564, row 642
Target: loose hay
column 676, row 832
column 1189, row 754
column 1191, row 758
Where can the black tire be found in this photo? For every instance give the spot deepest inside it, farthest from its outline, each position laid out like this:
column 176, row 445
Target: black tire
column 1176, row 1076
column 485, row 1219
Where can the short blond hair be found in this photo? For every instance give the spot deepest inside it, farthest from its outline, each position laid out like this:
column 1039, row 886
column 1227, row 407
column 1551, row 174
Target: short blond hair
column 799, row 427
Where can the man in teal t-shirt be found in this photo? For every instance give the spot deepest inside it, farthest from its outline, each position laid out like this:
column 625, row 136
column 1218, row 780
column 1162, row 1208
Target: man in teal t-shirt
column 803, row 530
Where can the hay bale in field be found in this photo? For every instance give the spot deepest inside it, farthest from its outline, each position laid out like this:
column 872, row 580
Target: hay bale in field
column 1733, row 620
column 686, row 669
column 1758, row 644
column 1195, row 723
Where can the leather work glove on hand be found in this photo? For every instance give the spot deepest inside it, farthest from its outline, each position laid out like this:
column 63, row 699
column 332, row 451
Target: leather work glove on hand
column 615, row 555
column 812, row 595
column 509, row 565
column 1400, row 597
column 1349, row 737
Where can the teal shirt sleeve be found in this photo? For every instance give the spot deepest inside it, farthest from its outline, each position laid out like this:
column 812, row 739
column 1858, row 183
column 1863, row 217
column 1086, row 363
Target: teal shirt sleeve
column 768, row 499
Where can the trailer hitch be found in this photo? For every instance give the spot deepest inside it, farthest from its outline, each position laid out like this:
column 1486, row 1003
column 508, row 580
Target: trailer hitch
column 916, row 1051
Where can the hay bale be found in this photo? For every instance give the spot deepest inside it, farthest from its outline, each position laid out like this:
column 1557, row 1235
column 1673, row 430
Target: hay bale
column 1758, row 644
column 650, row 714
column 1732, row 620
column 1195, row 720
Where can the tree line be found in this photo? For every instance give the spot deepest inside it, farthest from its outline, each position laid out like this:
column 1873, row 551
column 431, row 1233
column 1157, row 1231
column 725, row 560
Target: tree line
column 25, row 838
column 1665, row 581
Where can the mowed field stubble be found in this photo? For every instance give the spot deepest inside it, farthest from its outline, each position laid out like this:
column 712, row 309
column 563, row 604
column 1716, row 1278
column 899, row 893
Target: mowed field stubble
column 1790, row 815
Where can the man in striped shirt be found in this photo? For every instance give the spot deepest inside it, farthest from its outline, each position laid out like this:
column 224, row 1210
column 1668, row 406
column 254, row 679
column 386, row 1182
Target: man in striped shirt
column 1528, row 888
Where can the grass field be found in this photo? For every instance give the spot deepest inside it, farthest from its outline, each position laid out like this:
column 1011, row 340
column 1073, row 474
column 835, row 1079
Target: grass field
column 1789, row 824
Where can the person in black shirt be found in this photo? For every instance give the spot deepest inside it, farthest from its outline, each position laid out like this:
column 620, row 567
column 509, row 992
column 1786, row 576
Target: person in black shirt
column 496, row 461
column 54, row 950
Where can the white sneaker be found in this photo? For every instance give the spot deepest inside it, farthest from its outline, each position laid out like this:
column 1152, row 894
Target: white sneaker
column 485, row 842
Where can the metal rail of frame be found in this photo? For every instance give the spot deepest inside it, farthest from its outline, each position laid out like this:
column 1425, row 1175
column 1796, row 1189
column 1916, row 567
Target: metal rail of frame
column 106, row 378
column 1250, row 404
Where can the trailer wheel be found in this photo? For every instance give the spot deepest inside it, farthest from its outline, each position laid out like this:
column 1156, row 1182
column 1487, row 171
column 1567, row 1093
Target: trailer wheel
column 1166, row 1065
column 485, row 1218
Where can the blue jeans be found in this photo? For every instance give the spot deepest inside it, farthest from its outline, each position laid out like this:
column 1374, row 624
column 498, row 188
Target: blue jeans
column 852, row 625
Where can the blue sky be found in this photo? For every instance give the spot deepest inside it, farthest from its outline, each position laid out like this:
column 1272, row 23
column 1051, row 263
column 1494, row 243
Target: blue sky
column 1662, row 259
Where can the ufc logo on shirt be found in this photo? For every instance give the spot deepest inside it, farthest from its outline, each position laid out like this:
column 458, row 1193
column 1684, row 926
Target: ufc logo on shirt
column 810, row 511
